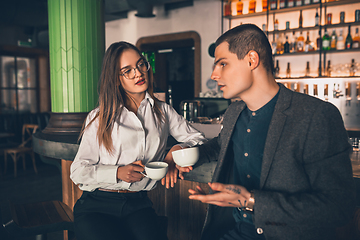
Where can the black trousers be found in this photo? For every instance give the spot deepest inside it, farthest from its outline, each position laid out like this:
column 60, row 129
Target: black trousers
column 106, row 215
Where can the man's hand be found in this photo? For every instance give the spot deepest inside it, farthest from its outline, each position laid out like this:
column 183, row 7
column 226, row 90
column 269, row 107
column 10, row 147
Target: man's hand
column 225, row 195
column 131, row 173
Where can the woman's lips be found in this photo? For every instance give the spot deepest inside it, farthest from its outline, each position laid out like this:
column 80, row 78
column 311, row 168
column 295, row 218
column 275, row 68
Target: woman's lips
column 140, row 82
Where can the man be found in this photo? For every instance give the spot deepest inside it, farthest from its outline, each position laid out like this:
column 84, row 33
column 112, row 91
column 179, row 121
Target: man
column 283, row 157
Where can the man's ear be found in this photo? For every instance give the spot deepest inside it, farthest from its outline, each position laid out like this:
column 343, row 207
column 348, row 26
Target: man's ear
column 254, row 59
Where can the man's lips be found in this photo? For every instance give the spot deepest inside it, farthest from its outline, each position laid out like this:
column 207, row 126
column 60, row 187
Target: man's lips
column 140, row 82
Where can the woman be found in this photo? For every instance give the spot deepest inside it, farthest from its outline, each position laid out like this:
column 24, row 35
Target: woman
column 128, row 129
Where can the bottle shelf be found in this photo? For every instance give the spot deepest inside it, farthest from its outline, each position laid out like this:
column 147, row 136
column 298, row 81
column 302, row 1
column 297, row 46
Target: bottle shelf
column 317, row 52
column 292, row 9
column 304, row 29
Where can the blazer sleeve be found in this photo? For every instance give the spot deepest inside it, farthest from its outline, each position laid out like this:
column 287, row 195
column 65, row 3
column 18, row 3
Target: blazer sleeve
column 325, row 164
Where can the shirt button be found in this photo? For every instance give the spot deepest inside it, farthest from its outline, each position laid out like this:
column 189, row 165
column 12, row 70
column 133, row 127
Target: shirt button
column 248, row 130
column 244, row 215
column 253, row 113
column 246, row 154
column 259, row 231
column 248, row 176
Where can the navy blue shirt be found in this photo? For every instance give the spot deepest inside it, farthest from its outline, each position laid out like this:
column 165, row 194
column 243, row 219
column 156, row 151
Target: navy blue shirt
column 248, row 142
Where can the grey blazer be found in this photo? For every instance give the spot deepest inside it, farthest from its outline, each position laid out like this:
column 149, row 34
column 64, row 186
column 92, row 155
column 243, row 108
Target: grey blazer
column 306, row 183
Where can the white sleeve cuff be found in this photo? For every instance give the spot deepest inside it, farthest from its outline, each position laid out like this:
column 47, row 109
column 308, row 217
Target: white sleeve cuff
column 106, row 174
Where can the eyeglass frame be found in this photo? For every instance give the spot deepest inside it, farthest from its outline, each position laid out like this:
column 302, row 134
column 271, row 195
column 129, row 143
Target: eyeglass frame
column 137, row 67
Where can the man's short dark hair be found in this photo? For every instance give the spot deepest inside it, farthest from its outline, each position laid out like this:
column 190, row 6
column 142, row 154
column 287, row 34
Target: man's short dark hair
column 246, row 37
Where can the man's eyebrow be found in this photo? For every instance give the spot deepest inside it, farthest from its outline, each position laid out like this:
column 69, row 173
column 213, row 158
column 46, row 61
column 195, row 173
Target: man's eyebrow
column 217, row 61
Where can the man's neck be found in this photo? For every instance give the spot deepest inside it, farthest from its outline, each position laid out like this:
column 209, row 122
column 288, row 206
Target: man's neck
column 261, row 92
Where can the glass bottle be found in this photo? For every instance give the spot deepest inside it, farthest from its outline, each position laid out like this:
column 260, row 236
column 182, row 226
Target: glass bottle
column 282, row 4
column 239, row 7
column 264, row 5
column 273, row 4
column 277, row 69
column 307, row 69
column 280, row 45
column 276, row 25
column 326, row 41
column 328, row 70
column 293, row 43
column 352, row 68
column 340, row 45
column 300, row 20
column 252, row 6
column 299, row 3
column 356, row 39
column 286, row 45
column 288, row 71
column 348, row 41
column 318, row 41
column 300, row 43
column 317, row 18
column 274, row 43
column 307, row 2
column 333, row 41
column 227, row 8
column 291, row 3
column 308, row 44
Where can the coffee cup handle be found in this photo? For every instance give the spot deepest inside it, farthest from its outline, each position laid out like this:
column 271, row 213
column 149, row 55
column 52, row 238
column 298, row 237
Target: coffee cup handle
column 144, row 174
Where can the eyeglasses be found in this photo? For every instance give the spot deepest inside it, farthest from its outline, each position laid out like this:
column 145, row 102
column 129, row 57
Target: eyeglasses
column 130, row 73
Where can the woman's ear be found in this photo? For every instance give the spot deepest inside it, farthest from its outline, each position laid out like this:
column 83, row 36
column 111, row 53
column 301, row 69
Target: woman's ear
column 254, row 59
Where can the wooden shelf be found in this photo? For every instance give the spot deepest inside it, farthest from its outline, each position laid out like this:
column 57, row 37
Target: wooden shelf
column 292, row 9
column 317, row 52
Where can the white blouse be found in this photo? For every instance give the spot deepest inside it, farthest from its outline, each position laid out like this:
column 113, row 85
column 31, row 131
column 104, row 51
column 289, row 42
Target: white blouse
column 135, row 137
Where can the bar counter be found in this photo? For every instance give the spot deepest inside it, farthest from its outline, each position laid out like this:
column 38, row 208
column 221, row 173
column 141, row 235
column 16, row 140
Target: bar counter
column 191, row 213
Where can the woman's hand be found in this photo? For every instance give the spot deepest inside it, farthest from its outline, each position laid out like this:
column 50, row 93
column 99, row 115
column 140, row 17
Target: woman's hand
column 225, row 195
column 171, row 176
column 131, row 173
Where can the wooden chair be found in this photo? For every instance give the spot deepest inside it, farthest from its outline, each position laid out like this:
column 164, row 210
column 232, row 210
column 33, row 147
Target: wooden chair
column 24, row 148
column 38, row 219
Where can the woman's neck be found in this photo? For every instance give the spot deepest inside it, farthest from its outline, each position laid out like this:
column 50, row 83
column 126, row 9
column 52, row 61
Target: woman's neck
column 133, row 101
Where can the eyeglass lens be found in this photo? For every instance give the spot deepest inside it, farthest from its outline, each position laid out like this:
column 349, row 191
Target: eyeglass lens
column 142, row 66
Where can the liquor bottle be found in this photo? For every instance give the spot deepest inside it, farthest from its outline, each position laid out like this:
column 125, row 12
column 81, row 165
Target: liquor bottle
column 348, row 41
column 300, row 43
column 280, row 45
column 293, row 43
column 227, row 8
column 288, row 71
column 328, row 70
column 282, row 4
column 315, row 90
column 276, row 25
column 306, row 89
column 333, row 40
column 317, row 18
column 264, row 5
column 309, row 46
column 273, row 4
column 239, row 7
column 326, row 41
column 340, row 45
column 277, row 69
column 318, row 41
column 307, row 69
column 307, row 2
column 252, row 6
column 274, row 43
column 286, row 45
column 296, row 87
column 291, row 3
column 299, row 3
column 300, row 20
column 352, row 68
column 326, row 92
column 315, row 1
column 356, row 39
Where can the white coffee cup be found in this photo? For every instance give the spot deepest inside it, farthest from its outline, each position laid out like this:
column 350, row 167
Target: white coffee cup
column 186, row 157
column 156, row 170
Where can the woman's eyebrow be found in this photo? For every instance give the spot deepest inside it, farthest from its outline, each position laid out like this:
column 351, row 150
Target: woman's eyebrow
column 129, row 66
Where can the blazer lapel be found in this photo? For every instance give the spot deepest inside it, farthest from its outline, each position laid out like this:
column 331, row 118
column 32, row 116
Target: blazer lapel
column 274, row 133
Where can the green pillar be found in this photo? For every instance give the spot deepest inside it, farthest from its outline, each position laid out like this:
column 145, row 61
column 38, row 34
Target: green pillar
column 77, row 44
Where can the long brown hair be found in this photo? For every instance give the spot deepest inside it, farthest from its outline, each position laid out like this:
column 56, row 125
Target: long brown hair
column 112, row 95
